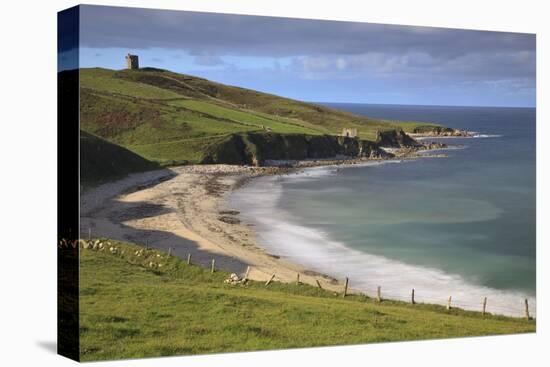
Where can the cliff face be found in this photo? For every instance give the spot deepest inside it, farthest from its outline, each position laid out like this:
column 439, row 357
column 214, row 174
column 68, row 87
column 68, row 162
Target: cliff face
column 440, row 131
column 395, row 139
column 256, row 148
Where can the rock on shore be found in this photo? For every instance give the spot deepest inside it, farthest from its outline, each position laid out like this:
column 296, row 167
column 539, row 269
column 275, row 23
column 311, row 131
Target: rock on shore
column 439, row 131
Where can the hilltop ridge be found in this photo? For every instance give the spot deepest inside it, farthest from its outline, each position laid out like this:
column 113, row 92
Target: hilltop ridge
column 172, row 118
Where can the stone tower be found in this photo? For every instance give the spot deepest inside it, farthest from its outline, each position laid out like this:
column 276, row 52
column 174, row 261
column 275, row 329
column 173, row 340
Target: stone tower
column 132, row 62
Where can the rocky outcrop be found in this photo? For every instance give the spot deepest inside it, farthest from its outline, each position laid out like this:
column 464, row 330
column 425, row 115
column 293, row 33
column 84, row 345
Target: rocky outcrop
column 434, row 145
column 395, row 139
column 234, row 279
column 256, row 148
column 430, row 130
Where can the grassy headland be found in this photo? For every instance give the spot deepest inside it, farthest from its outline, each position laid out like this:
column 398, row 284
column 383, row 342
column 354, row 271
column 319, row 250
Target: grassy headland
column 174, row 118
column 153, row 305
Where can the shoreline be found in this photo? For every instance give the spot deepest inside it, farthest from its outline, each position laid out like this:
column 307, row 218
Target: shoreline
column 365, row 270
column 186, row 209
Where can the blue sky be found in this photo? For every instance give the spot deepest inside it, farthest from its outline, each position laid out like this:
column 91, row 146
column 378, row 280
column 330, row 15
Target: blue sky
column 322, row 61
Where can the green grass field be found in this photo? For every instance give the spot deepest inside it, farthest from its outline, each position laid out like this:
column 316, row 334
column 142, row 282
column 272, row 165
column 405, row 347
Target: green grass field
column 131, row 310
column 163, row 116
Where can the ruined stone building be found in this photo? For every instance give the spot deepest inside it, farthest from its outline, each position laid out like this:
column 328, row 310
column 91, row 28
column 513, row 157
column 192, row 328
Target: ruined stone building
column 349, row 132
column 132, row 62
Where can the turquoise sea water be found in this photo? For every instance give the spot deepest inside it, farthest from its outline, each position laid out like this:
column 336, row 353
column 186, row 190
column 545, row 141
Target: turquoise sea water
column 462, row 225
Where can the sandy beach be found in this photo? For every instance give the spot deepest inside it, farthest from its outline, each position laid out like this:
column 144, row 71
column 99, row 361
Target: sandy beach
column 184, row 208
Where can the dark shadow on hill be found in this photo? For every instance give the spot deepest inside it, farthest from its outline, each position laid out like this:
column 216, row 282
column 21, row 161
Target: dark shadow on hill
column 101, row 160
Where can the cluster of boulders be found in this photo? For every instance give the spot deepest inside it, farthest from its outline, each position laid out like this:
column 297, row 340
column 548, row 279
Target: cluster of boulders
column 146, row 253
column 153, row 264
column 234, row 280
column 96, row 245
column 412, row 151
column 99, row 245
column 434, row 145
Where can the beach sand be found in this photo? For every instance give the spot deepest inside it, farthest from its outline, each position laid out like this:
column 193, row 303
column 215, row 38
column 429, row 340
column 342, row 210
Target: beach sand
column 185, row 208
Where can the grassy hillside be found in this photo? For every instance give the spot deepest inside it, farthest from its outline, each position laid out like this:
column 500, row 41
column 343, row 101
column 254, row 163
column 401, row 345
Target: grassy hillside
column 101, row 160
column 130, row 310
column 171, row 118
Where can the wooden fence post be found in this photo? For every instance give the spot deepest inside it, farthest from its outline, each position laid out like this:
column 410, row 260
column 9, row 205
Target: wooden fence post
column 379, row 294
column 527, row 309
column 169, row 251
column 449, row 303
column 89, row 234
column 188, row 259
column 246, row 274
column 270, row 279
column 484, row 306
column 213, row 265
column 412, row 297
column 318, row 284
column 298, row 279
column 345, row 287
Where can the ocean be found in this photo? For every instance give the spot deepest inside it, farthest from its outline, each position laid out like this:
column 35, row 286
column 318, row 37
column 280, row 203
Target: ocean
column 461, row 226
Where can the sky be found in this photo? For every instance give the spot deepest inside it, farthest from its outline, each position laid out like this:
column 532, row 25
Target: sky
column 318, row 60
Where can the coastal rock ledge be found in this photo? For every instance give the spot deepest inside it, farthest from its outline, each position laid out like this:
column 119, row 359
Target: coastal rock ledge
column 435, row 131
column 257, row 148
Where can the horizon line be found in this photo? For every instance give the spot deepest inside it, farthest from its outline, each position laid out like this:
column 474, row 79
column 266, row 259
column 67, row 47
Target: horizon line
column 419, row 105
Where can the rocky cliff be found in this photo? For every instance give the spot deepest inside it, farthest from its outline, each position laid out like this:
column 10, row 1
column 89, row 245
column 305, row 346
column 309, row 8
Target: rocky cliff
column 395, row 139
column 256, row 148
column 431, row 130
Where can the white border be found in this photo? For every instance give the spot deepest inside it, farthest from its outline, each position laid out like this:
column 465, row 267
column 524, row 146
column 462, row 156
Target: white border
column 28, row 151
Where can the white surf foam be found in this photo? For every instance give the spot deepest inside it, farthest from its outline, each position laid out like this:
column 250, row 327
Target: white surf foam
column 307, row 173
column 474, row 136
column 279, row 233
column 483, row 136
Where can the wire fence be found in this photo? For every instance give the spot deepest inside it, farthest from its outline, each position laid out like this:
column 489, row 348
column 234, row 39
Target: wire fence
column 524, row 307
column 512, row 306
